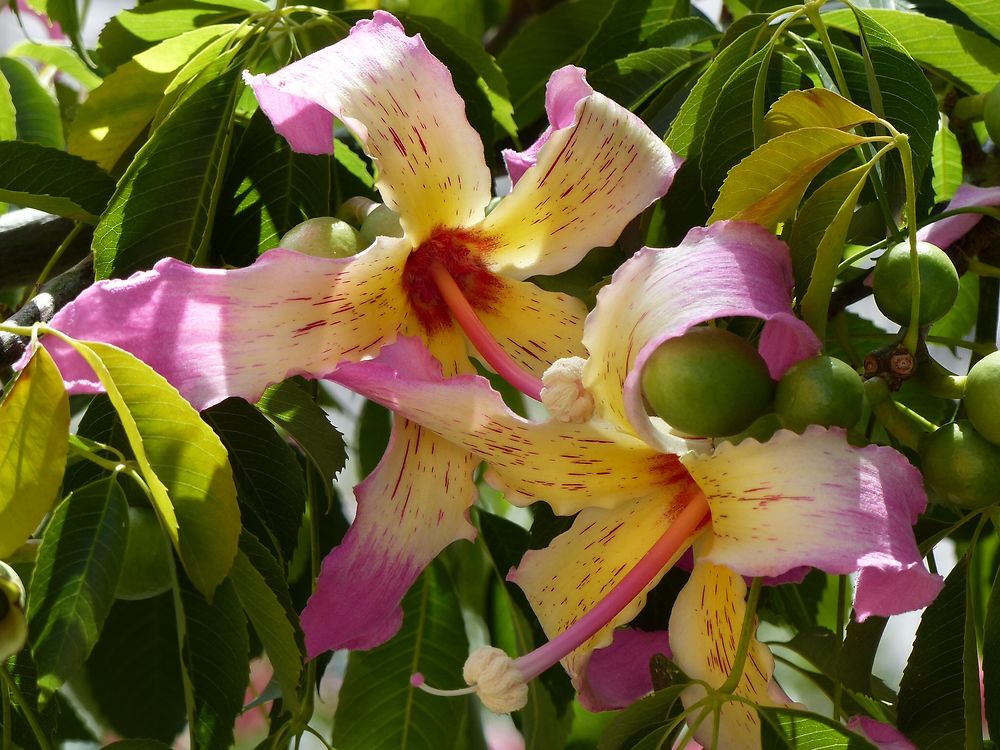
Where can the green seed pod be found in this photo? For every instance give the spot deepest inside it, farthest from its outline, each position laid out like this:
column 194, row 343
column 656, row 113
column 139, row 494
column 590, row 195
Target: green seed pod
column 13, row 625
column 961, row 465
column 893, row 290
column 820, row 390
column 324, row 237
column 381, row 222
column 982, row 397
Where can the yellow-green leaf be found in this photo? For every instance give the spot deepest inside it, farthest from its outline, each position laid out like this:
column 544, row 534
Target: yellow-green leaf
column 814, row 108
column 767, row 186
column 946, row 162
column 120, row 109
column 181, row 459
column 34, row 435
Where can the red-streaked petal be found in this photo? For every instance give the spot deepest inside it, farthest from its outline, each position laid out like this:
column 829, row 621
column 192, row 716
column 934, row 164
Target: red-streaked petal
column 730, row 268
column 947, row 231
column 618, row 675
column 813, row 499
column 569, row 466
column 592, row 176
column 400, row 102
column 535, row 327
column 413, row 505
column 216, row 333
column 580, row 566
column 704, row 631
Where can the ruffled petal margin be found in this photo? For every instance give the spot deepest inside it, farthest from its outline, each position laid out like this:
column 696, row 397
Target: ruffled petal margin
column 400, row 102
column 570, row 467
column 413, row 505
column 215, row 333
column 813, row 499
column 591, row 177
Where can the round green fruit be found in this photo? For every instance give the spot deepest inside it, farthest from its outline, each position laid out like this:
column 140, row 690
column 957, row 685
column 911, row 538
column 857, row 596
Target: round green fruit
column 381, row 222
column 707, row 383
column 961, row 465
column 820, row 390
column 893, row 290
column 991, row 114
column 146, row 568
column 13, row 624
column 324, row 237
column 982, row 397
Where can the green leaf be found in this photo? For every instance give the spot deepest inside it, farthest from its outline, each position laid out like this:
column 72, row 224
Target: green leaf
column 268, row 477
column 61, row 58
column 465, row 16
column 649, row 716
column 767, row 186
column 268, row 190
column 73, row 585
column 985, row 13
column 215, row 655
column 133, row 676
column 814, row 108
column 166, row 199
column 260, row 585
column 630, row 27
column 34, row 423
column 819, row 234
column 51, row 180
column 688, row 130
column 931, row 706
column 378, row 709
column 547, row 42
column 970, row 61
column 8, row 115
column 372, row 436
column 67, row 15
column 991, row 659
column 118, row 111
column 290, row 406
column 633, row 79
column 961, row 318
column 946, row 162
column 37, row 112
column 137, row 745
column 788, row 729
column 135, row 30
column 182, row 461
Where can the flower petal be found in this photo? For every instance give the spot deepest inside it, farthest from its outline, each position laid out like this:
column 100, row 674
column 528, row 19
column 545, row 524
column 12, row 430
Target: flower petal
column 413, row 505
column 216, row 333
column 593, row 175
column 883, row 736
column 813, row 499
column 730, row 268
column 704, row 631
column 400, row 102
column 533, row 326
column 618, row 675
column 568, row 466
column 948, row 231
column 565, row 88
column 580, row 566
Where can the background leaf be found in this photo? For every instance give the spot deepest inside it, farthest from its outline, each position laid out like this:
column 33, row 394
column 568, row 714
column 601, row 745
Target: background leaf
column 37, row 113
column 73, row 585
column 787, row 729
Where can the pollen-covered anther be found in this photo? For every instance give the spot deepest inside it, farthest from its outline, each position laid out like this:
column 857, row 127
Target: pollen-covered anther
column 563, row 393
column 498, row 682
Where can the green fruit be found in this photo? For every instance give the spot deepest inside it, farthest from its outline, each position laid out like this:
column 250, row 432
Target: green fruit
column 707, row 383
column 991, row 114
column 324, row 237
column 146, row 569
column 961, row 465
column 982, row 397
column 938, row 283
column 381, row 222
column 820, row 390
column 13, row 625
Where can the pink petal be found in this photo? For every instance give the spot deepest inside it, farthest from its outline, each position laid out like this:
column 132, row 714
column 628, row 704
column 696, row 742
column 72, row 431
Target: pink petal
column 883, row 736
column 216, row 333
column 413, row 505
column 618, row 675
column 948, row 231
column 813, row 499
column 594, row 173
column 400, row 102
column 730, row 268
column 570, row 466
column 565, row 88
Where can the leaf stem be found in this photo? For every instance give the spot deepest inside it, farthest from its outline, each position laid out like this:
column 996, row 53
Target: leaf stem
column 746, row 634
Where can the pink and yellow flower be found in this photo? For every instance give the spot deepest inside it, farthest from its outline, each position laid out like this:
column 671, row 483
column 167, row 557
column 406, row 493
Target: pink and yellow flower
column 455, row 278
column 645, row 495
